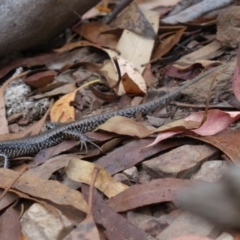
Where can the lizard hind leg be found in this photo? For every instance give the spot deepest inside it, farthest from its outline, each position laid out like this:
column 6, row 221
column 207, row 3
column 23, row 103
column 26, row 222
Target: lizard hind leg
column 69, row 134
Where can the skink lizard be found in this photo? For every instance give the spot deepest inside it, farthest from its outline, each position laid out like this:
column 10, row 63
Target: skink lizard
column 75, row 130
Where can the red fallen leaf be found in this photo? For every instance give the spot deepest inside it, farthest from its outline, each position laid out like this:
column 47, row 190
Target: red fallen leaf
column 236, row 76
column 216, row 121
column 10, row 225
column 156, row 191
column 40, row 79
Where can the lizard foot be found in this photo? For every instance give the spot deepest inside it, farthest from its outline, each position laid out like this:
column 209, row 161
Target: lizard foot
column 82, row 138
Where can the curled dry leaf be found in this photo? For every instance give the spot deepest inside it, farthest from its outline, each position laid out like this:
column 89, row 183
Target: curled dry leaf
column 125, row 67
column 62, row 111
column 216, row 121
column 108, row 70
column 81, row 171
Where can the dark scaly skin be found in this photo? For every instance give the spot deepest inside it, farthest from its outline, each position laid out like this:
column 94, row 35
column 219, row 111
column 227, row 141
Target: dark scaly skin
column 32, row 145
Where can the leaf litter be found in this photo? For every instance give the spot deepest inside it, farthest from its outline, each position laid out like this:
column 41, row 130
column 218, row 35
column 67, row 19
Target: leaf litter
column 149, row 54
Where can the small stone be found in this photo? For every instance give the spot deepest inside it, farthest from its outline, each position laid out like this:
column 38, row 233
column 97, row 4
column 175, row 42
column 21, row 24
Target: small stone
column 186, row 224
column 40, row 223
column 131, row 173
column 225, row 236
column 181, row 162
column 228, row 26
column 211, row 171
column 120, row 177
column 169, row 218
column 13, row 128
column 144, row 177
column 153, row 226
column 136, row 217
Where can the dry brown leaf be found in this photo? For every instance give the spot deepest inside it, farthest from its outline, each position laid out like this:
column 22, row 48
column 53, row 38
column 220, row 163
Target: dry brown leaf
column 47, row 190
column 10, row 225
column 66, row 88
column 7, row 199
column 27, row 62
column 81, row 171
column 92, row 31
column 168, row 43
column 116, row 227
column 200, row 54
column 49, row 167
column 47, row 153
column 156, row 191
column 73, row 45
column 130, row 154
column 226, row 141
column 130, row 86
column 62, row 111
column 87, row 229
column 133, row 19
column 135, row 48
column 40, row 79
column 125, row 126
column 125, row 67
